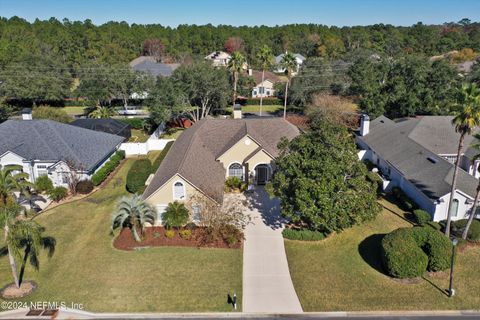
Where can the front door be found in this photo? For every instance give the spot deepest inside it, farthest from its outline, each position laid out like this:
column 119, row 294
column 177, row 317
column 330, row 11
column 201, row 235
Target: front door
column 261, row 175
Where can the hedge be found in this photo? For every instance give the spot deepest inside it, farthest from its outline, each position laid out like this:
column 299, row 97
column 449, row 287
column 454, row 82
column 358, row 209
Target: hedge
column 266, row 101
column 304, row 235
column 137, row 175
column 473, row 232
column 84, row 187
column 102, row 173
column 158, row 160
column 421, row 217
column 409, row 252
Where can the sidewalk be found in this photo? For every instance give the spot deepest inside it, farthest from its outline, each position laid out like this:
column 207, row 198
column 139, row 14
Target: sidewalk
column 267, row 286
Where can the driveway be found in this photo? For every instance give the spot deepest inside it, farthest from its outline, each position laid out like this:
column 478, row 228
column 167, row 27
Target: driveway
column 267, row 286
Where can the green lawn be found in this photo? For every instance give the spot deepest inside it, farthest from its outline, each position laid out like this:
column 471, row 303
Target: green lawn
column 174, row 135
column 265, row 108
column 343, row 273
column 139, row 136
column 73, row 111
column 87, row 269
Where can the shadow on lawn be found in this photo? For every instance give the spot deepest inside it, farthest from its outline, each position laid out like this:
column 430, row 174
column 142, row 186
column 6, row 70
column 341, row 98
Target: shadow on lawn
column 369, row 250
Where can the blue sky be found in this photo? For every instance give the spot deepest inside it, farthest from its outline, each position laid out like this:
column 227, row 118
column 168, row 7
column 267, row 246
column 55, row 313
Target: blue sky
column 247, row 12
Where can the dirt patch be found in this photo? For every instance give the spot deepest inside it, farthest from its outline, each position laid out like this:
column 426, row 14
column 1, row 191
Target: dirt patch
column 10, row 291
column 155, row 237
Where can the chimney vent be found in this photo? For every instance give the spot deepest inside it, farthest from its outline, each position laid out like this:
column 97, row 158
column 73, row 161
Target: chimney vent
column 27, row 114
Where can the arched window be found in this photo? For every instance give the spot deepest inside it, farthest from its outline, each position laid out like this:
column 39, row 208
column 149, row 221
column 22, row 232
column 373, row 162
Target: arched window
column 235, row 170
column 455, row 208
column 178, row 191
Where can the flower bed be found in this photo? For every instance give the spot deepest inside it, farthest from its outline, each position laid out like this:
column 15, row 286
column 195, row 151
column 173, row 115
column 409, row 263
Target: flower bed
column 155, row 237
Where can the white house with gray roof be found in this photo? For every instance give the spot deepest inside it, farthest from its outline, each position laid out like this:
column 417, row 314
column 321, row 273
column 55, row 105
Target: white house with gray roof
column 46, row 147
column 417, row 155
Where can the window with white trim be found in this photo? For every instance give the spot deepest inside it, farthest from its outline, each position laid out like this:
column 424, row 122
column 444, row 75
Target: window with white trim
column 235, row 170
column 196, row 213
column 178, row 191
column 261, row 90
column 455, row 207
column 42, row 170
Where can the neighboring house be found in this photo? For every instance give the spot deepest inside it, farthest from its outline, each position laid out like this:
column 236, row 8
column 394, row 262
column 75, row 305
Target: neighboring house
column 109, row 125
column 212, row 150
column 298, row 57
column 46, row 147
column 219, row 58
column 150, row 65
column 417, row 155
column 265, row 88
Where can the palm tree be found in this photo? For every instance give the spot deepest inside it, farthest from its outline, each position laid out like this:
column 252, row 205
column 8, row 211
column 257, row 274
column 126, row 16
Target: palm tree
column 101, row 112
column 465, row 122
column 235, row 66
column 11, row 181
column 290, row 64
column 265, row 56
column 134, row 213
column 22, row 234
column 176, row 215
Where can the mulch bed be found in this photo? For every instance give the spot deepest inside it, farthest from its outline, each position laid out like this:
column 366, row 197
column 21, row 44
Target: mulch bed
column 10, row 291
column 155, row 237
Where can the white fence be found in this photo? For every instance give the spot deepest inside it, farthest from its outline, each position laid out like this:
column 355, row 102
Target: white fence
column 142, row 148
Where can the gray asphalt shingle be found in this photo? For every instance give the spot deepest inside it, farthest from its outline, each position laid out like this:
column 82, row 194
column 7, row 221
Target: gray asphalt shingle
column 53, row 141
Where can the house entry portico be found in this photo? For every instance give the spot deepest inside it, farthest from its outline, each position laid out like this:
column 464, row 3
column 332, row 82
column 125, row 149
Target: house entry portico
column 262, row 174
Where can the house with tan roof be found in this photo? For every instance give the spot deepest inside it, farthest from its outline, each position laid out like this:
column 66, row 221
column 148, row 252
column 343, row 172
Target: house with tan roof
column 264, row 88
column 212, row 150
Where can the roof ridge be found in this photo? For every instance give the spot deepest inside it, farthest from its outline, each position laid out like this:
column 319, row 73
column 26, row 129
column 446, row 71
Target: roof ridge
column 66, row 144
column 190, row 143
column 41, row 136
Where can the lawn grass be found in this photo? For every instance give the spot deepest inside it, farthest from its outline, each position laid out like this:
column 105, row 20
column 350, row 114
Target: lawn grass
column 332, row 275
column 86, row 268
column 139, row 136
column 174, row 135
column 73, row 111
column 265, row 108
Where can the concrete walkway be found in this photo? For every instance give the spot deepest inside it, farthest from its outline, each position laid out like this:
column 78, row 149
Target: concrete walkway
column 267, row 286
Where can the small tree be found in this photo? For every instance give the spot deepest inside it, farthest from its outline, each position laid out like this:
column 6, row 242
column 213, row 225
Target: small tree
column 51, row 113
column 11, row 181
column 176, row 215
column 134, row 213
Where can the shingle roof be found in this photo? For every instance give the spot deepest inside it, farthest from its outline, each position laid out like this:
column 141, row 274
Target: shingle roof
column 53, row 141
column 278, row 58
column 395, row 143
column 257, row 75
column 155, row 68
column 194, row 153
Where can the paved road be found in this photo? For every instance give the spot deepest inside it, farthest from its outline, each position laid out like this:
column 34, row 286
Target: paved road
column 267, row 286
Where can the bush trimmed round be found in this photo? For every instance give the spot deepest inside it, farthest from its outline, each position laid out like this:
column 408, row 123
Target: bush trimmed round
column 421, row 217
column 409, row 252
column 84, row 187
column 401, row 256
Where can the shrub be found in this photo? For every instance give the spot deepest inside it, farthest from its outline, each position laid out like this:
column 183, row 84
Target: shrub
column 421, row 217
column 435, row 225
column 185, row 234
column 58, row 193
column 138, row 175
column 409, row 252
column 176, row 215
column 473, row 232
column 84, row 187
column 102, row 173
column 190, row 226
column 235, row 183
column 304, row 235
column 43, row 184
column 169, row 233
column 401, row 256
column 405, row 202
column 51, row 113
column 230, row 234
column 158, row 160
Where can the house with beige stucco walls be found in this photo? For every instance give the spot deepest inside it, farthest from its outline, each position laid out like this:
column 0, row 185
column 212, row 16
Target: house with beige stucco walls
column 212, row 150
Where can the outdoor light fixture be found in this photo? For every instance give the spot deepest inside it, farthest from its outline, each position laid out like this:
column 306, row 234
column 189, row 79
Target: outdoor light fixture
column 451, row 291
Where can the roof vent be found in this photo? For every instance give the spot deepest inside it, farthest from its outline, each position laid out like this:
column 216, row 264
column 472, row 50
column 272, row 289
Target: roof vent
column 432, row 159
